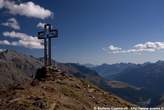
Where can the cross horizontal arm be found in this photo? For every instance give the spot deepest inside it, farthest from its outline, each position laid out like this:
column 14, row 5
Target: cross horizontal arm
column 41, row 35
column 53, row 33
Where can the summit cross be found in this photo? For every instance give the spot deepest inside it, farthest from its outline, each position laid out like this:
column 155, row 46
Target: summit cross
column 46, row 35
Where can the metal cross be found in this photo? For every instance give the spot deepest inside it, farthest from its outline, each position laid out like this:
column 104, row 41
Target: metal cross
column 47, row 34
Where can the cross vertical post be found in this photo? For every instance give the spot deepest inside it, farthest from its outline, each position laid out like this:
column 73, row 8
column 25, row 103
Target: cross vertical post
column 45, row 52
column 49, row 50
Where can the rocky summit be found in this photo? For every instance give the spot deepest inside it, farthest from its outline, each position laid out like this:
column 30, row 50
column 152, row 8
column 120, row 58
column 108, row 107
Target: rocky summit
column 54, row 90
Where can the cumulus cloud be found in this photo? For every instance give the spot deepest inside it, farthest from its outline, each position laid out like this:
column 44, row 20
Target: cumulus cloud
column 138, row 48
column 5, row 42
column 13, row 23
column 28, row 9
column 22, row 40
column 40, row 25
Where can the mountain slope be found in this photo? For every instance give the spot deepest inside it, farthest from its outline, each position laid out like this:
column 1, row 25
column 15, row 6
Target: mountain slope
column 131, row 93
column 58, row 91
column 15, row 68
column 83, row 72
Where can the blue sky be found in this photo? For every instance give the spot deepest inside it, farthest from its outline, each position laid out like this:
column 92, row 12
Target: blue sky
column 91, row 31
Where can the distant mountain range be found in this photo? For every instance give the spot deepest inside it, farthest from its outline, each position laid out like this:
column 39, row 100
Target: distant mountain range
column 108, row 70
column 89, row 65
column 149, row 77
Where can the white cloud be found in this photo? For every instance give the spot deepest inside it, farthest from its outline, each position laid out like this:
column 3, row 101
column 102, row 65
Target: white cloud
column 28, row 9
column 12, row 22
column 5, row 42
column 22, row 40
column 40, row 25
column 150, row 46
column 113, row 48
column 138, row 48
